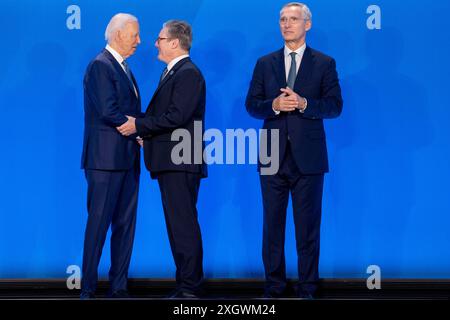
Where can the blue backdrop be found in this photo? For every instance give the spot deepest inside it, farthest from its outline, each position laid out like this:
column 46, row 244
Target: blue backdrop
column 386, row 199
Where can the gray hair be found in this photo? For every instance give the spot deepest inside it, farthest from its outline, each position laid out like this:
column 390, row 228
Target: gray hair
column 118, row 22
column 306, row 12
column 181, row 30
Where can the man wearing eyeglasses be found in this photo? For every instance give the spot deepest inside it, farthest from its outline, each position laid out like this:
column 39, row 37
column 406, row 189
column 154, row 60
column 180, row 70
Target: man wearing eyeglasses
column 178, row 101
column 293, row 90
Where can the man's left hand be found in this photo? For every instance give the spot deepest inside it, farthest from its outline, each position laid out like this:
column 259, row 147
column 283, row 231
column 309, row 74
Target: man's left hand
column 129, row 127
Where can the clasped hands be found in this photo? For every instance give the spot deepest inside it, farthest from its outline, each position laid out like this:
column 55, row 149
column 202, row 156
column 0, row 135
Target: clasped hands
column 288, row 100
column 129, row 128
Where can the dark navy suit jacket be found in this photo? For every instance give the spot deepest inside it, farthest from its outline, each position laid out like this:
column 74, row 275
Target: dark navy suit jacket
column 108, row 97
column 317, row 81
column 178, row 101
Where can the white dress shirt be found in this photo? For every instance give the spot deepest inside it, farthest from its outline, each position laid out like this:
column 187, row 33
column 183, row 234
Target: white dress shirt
column 116, row 55
column 172, row 63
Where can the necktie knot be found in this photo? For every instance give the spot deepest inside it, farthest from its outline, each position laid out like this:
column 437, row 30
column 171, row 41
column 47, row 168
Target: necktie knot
column 127, row 70
column 163, row 74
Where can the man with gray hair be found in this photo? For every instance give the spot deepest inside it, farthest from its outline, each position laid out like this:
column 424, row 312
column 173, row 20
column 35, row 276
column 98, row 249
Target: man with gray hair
column 110, row 160
column 177, row 103
column 293, row 90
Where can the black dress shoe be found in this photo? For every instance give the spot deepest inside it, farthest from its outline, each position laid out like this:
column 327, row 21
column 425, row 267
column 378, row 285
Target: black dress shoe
column 120, row 294
column 180, row 294
column 305, row 295
column 86, row 295
column 271, row 294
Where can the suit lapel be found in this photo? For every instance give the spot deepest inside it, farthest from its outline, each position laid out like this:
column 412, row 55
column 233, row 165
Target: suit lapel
column 279, row 68
column 169, row 76
column 138, row 105
column 304, row 72
column 135, row 85
column 122, row 74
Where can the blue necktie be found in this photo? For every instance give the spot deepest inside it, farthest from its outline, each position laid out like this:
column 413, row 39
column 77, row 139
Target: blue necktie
column 292, row 72
column 163, row 74
column 127, row 71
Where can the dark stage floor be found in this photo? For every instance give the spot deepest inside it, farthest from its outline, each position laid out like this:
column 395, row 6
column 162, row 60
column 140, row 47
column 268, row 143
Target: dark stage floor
column 330, row 289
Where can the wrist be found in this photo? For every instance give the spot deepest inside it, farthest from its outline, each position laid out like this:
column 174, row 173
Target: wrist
column 303, row 104
column 275, row 106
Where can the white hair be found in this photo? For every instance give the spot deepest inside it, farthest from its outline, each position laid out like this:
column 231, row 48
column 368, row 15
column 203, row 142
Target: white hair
column 306, row 12
column 118, row 22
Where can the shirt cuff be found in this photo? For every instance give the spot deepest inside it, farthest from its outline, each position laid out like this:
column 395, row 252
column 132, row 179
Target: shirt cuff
column 306, row 105
column 276, row 112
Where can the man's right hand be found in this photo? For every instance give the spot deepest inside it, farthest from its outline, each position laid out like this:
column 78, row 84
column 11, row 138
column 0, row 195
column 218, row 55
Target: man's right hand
column 285, row 103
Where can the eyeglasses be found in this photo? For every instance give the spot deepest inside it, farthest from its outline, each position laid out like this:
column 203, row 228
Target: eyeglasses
column 162, row 38
column 291, row 20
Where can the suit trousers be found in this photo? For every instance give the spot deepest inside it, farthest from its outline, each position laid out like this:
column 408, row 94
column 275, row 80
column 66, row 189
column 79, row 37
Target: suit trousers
column 112, row 201
column 306, row 192
column 179, row 192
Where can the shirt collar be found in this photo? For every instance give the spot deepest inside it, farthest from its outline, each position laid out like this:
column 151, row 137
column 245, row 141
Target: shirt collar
column 172, row 63
column 115, row 54
column 299, row 51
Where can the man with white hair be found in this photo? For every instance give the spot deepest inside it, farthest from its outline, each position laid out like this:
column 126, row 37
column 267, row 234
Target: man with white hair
column 110, row 160
column 293, row 90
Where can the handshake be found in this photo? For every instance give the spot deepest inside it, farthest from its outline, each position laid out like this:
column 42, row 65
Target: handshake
column 129, row 128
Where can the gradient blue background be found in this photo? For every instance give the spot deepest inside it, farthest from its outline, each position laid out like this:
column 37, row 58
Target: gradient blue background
column 386, row 199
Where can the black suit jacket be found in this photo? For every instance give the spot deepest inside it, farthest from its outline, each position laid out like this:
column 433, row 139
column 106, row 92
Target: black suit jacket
column 108, row 97
column 317, row 81
column 178, row 101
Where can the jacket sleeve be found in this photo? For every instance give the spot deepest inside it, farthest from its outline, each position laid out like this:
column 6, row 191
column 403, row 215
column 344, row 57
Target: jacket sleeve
column 329, row 105
column 257, row 104
column 186, row 95
column 99, row 87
